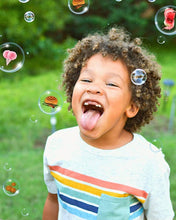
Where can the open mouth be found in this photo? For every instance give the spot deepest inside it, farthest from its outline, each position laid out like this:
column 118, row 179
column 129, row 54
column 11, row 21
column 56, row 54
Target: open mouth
column 92, row 106
column 92, row 111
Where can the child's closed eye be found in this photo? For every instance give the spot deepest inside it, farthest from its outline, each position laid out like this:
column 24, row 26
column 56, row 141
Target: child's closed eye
column 112, row 84
column 86, row 80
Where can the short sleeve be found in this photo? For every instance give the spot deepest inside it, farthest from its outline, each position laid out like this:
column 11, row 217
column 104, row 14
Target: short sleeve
column 158, row 204
column 48, row 178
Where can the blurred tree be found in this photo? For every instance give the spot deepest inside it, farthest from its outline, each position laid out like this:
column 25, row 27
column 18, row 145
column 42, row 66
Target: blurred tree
column 54, row 23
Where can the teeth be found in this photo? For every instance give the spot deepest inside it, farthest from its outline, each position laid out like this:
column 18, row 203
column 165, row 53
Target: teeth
column 97, row 105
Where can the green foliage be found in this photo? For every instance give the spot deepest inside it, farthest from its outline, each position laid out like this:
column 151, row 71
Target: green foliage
column 54, row 23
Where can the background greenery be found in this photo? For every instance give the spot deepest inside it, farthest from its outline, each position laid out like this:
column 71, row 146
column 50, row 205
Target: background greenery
column 23, row 127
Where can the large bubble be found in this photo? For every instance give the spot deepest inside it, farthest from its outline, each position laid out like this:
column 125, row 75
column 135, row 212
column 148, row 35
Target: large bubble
column 165, row 20
column 50, row 102
column 11, row 57
column 11, row 187
column 78, row 6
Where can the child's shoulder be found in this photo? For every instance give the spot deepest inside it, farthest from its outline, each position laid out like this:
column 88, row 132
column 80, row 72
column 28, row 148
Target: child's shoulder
column 150, row 153
column 63, row 135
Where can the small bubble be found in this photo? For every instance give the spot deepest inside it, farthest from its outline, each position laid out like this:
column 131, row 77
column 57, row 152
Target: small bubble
column 78, row 6
column 27, row 53
column 161, row 39
column 11, row 187
column 151, row 1
column 7, row 167
column 29, row 16
column 33, row 119
column 23, row 1
column 25, row 212
column 138, row 77
column 118, row 0
column 156, row 145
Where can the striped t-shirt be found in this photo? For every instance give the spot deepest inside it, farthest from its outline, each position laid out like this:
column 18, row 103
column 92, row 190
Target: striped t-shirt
column 97, row 184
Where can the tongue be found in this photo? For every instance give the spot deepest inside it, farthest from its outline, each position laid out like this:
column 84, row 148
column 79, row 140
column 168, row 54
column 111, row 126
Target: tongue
column 89, row 119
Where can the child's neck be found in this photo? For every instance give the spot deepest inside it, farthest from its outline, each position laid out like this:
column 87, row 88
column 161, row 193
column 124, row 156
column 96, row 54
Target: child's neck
column 110, row 143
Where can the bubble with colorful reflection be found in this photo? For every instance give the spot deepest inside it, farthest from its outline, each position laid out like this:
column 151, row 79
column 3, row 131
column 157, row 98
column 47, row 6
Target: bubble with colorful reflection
column 78, row 6
column 50, row 102
column 138, row 77
column 165, row 19
column 11, row 187
column 12, row 57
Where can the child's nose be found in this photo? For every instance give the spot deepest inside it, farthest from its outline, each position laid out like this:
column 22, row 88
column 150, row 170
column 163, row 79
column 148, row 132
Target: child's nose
column 94, row 89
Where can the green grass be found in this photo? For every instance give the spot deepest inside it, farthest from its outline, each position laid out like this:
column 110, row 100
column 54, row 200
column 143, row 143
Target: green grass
column 22, row 141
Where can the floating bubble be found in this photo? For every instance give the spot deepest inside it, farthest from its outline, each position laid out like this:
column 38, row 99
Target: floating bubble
column 25, row 212
column 161, row 39
column 27, row 53
column 11, row 57
column 33, row 119
column 156, row 145
column 118, row 0
column 23, row 1
column 138, row 77
column 29, row 16
column 7, row 167
column 165, row 20
column 151, row 0
column 78, row 6
column 50, row 102
column 11, row 187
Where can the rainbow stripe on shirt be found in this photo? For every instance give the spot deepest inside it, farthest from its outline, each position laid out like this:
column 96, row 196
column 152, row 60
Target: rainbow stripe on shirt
column 80, row 194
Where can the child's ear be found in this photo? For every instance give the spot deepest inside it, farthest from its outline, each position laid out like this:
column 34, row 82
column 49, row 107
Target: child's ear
column 132, row 110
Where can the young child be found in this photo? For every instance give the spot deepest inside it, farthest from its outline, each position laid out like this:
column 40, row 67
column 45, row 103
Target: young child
column 102, row 169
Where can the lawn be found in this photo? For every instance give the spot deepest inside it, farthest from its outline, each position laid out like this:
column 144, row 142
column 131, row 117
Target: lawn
column 24, row 129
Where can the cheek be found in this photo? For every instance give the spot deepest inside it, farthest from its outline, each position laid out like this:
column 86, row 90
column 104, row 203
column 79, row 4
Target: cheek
column 75, row 97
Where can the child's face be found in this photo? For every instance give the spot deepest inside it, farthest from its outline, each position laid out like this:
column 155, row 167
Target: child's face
column 101, row 98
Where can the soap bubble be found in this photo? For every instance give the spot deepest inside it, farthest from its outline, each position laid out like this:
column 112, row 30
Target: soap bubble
column 151, row 0
column 25, row 212
column 138, row 77
column 78, row 6
column 165, row 20
column 7, row 167
column 11, row 187
column 161, row 39
column 50, row 102
column 33, row 119
column 23, row 1
column 11, row 57
column 29, row 16
column 157, row 145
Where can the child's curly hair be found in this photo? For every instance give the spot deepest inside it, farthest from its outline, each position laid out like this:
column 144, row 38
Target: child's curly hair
column 118, row 45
